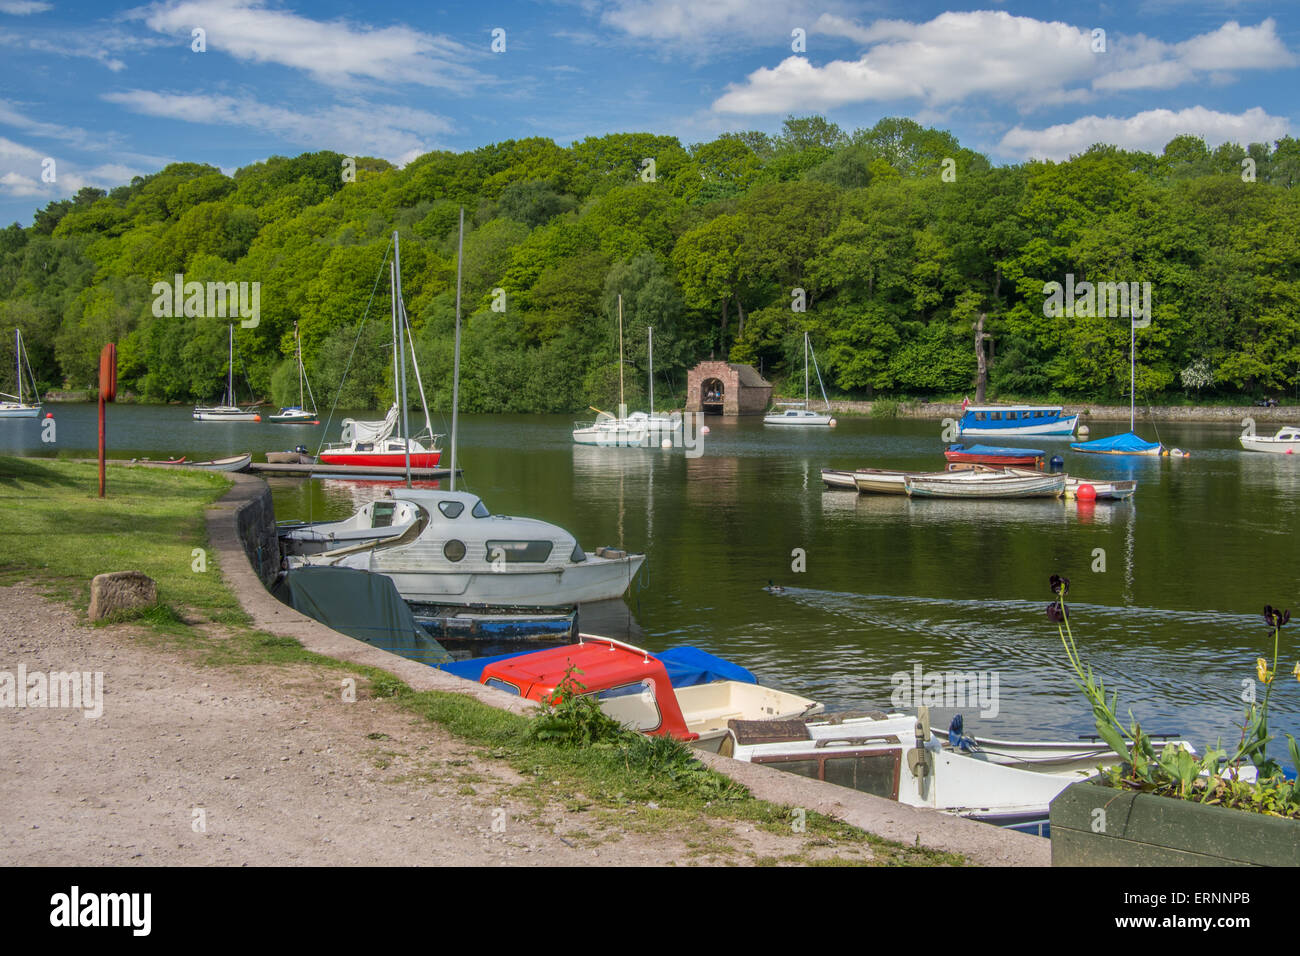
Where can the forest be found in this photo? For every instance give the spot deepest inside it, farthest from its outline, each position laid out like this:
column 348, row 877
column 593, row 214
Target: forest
column 887, row 244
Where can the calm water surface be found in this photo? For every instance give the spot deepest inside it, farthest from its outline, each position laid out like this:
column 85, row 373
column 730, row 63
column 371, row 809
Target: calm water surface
column 1173, row 622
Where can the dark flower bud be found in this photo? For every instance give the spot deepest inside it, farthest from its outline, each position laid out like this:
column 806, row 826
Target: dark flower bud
column 1060, row 585
column 1056, row 612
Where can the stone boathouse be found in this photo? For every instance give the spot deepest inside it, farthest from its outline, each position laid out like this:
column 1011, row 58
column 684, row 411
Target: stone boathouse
column 726, row 388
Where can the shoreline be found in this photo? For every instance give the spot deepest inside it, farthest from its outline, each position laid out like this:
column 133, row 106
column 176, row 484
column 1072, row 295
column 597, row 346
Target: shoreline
column 1209, row 414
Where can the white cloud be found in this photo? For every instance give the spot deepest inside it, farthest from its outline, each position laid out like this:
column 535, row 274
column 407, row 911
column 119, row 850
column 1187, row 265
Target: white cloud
column 21, row 8
column 953, row 57
column 1149, row 130
column 691, row 23
column 994, row 55
column 1144, row 63
column 335, row 52
column 387, row 131
column 21, row 172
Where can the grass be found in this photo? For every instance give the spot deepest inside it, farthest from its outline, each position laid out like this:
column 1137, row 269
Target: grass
column 56, row 533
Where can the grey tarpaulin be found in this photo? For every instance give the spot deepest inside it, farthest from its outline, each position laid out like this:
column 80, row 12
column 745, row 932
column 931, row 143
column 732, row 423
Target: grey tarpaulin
column 361, row 605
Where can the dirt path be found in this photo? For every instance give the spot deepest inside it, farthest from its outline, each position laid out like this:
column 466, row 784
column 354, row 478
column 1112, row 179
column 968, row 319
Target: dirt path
column 284, row 771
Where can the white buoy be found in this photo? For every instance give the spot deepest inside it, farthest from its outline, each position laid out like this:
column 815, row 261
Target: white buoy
column 704, row 430
column 832, row 423
column 1084, row 431
column 666, row 443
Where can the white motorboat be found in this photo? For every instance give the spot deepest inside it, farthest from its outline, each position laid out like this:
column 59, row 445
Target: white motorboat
column 800, row 414
column 1285, row 442
column 228, row 412
column 639, row 429
column 896, row 756
column 18, row 408
column 445, row 547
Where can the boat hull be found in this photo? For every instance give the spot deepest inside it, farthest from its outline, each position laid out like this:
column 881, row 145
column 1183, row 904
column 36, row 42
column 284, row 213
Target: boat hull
column 839, row 480
column 594, row 580
column 211, row 415
column 802, row 421
column 1274, row 446
column 293, row 419
column 990, row 488
column 20, row 411
column 419, row 459
column 1000, row 457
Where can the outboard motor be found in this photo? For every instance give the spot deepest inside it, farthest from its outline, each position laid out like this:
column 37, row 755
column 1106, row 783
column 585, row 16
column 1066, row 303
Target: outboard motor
column 1056, row 464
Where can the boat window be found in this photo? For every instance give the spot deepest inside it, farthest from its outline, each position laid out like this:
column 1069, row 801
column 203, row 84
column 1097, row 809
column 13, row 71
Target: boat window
column 1038, row 414
column 1011, row 416
column 520, row 552
column 499, row 684
column 981, row 416
column 996, row 416
column 451, row 509
column 869, row 773
column 577, row 556
column 804, row 768
column 480, row 510
column 453, row 550
column 382, row 515
column 633, row 705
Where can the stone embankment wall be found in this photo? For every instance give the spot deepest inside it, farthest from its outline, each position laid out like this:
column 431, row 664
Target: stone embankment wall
column 1227, row 414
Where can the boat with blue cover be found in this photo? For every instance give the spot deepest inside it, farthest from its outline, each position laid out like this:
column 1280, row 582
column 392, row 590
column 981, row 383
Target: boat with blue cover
column 1129, row 443
column 996, row 455
column 989, row 421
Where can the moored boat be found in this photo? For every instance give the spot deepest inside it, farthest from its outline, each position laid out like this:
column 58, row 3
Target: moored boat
column 1102, row 490
column 297, row 414
column 229, row 411
column 633, row 687
column 996, row 455
column 1285, row 442
column 18, row 408
column 990, row 421
column 1008, row 783
column 1129, row 443
column 800, row 414
column 843, row 480
column 978, row 485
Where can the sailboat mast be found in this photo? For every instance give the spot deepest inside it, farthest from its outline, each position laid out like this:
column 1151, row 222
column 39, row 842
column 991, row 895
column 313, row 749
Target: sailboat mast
column 805, row 370
column 297, row 342
column 650, row 333
column 18, row 362
column 397, row 348
column 1132, row 374
column 230, row 369
column 622, row 405
column 455, row 377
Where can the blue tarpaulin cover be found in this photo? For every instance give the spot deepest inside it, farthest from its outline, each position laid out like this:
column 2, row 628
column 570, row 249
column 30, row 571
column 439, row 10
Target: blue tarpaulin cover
column 686, row 666
column 997, row 450
column 1128, row 443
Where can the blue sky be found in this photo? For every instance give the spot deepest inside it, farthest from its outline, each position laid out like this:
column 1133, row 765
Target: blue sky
column 111, row 91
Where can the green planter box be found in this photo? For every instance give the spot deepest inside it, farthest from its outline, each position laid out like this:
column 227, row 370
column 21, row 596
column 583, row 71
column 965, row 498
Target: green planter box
column 1099, row 826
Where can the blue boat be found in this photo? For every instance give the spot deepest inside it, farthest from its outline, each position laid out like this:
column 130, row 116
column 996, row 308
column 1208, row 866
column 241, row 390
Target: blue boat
column 1129, row 443
column 989, row 421
column 996, row 455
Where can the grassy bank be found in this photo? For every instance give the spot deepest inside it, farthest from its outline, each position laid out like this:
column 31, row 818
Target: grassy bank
column 55, row 532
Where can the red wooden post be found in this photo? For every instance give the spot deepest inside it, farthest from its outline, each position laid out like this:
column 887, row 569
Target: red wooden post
column 107, row 393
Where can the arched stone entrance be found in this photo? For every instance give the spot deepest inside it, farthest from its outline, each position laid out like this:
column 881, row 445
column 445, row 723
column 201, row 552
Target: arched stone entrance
column 713, row 396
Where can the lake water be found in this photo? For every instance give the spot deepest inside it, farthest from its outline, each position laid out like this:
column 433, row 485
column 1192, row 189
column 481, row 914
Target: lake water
column 1173, row 622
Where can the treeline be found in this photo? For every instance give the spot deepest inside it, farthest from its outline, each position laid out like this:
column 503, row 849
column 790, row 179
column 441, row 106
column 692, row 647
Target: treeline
column 887, row 244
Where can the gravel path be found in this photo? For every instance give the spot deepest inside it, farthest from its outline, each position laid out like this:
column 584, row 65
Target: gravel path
column 282, row 769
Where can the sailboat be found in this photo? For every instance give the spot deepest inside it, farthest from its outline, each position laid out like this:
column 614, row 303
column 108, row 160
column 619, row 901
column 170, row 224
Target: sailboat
column 801, row 414
column 637, row 429
column 1130, row 443
column 229, row 412
column 297, row 414
column 381, row 444
column 445, row 547
column 18, row 408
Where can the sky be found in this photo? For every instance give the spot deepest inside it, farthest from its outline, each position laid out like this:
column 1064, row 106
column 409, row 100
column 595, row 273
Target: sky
column 95, row 93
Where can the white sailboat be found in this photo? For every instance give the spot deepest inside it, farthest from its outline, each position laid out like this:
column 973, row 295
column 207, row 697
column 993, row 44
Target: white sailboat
column 19, row 408
column 638, row 429
column 229, row 412
column 800, row 413
column 446, row 548
column 297, row 414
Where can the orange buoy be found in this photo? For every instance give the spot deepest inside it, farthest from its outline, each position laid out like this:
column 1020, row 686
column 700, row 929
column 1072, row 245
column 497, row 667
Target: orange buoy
column 1086, row 493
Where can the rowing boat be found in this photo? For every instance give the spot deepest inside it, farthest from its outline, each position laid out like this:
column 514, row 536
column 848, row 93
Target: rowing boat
column 976, row 485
